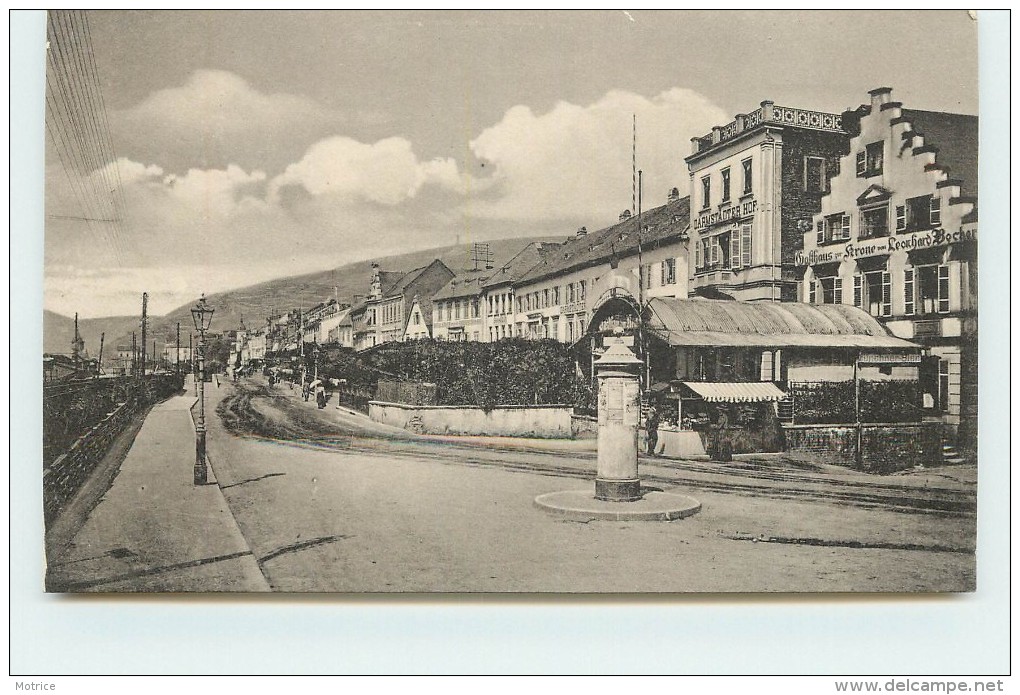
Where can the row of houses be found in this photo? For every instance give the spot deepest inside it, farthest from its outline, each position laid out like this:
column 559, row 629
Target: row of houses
column 873, row 210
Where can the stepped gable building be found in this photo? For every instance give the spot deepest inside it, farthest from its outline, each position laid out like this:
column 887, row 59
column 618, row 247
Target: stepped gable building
column 756, row 183
column 457, row 307
column 559, row 296
column 498, row 290
column 897, row 236
column 383, row 317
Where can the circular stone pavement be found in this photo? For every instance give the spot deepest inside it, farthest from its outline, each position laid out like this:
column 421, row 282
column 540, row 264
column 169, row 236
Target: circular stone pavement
column 581, row 505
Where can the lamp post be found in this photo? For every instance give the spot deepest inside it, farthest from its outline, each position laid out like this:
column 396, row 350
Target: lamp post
column 202, row 315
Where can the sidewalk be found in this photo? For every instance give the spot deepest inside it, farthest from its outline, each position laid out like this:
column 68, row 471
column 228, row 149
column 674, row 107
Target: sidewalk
column 154, row 530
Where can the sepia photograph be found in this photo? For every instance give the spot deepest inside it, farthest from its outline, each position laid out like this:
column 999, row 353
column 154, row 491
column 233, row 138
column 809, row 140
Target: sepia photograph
column 510, row 303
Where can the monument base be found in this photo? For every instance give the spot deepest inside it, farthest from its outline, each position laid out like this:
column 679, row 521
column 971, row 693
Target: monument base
column 617, row 490
column 580, row 505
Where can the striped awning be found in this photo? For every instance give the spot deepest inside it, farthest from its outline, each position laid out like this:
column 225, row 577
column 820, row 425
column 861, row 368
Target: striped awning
column 743, row 392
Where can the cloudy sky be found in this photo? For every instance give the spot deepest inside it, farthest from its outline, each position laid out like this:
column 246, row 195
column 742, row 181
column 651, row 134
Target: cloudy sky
column 253, row 145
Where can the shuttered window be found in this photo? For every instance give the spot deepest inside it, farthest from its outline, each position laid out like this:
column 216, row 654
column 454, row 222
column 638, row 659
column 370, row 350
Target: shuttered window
column 820, row 231
column 698, row 263
column 886, row 294
column 943, row 289
column 735, row 249
column 862, row 163
column 745, row 244
column 936, row 211
column 908, row 291
column 901, row 218
column 858, row 291
column 812, row 292
column 837, row 291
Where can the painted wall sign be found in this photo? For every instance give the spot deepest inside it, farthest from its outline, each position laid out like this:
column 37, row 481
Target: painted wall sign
column 709, row 219
column 885, row 245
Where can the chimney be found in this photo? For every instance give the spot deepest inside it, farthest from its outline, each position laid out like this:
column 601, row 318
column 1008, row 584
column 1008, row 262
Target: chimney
column 741, row 122
column 880, row 96
column 625, row 215
column 583, row 231
column 695, row 145
column 674, row 195
column 716, row 134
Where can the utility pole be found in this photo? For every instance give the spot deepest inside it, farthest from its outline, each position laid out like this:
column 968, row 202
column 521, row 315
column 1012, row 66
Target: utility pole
column 177, row 349
column 134, row 354
column 145, row 320
column 154, row 355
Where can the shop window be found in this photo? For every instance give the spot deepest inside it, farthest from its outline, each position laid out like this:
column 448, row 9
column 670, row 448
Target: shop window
column 932, row 283
column 876, row 296
column 814, row 175
column 875, row 221
column 706, row 192
column 869, row 161
column 726, row 184
column 747, row 176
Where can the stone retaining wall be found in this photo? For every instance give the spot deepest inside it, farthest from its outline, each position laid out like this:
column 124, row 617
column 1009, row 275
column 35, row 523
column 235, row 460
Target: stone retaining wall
column 542, row 421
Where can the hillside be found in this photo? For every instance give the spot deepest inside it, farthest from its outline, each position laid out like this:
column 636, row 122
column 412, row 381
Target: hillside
column 256, row 302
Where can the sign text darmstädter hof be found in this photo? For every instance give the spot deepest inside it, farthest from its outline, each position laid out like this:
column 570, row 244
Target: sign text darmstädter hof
column 885, row 245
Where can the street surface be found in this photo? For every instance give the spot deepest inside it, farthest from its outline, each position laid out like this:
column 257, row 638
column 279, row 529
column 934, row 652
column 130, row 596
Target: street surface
column 329, row 501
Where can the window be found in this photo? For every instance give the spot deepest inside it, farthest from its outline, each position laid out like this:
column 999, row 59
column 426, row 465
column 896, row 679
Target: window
column 908, row 291
column 875, row 221
column 570, row 293
column 869, row 162
column 812, row 292
column 745, row 243
column 771, row 362
column 833, row 228
column 580, row 291
column 935, row 211
column 830, row 290
column 706, row 192
column 932, row 283
column 668, row 272
column 726, row 184
column 814, row 175
column 545, row 298
column 877, row 293
column 570, row 331
column 556, row 295
column 943, row 385
column 747, row 176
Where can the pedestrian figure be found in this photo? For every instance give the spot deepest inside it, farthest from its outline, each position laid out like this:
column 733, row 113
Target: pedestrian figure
column 320, row 395
column 652, row 427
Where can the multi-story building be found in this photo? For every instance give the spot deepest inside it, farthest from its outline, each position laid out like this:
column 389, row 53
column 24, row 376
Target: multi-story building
column 897, row 236
column 457, row 307
column 384, row 316
column 756, row 183
column 498, row 290
column 556, row 297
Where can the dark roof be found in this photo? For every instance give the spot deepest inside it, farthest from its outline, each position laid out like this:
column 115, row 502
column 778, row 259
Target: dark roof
column 396, row 283
column 711, row 322
column 526, row 259
column 663, row 224
column 956, row 137
column 467, row 284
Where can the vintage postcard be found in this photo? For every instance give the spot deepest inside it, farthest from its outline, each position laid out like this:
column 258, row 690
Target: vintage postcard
column 506, row 302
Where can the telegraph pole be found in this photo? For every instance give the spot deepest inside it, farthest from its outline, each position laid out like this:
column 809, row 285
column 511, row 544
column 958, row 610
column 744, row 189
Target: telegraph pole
column 145, row 320
column 177, row 349
column 134, row 353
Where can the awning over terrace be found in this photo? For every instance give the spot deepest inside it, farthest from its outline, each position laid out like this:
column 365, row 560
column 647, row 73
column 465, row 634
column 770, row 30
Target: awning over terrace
column 742, row 392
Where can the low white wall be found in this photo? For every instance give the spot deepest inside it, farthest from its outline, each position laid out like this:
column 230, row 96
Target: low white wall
column 545, row 421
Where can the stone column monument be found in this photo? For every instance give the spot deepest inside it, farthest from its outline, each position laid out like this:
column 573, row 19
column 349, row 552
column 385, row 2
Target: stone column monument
column 619, row 412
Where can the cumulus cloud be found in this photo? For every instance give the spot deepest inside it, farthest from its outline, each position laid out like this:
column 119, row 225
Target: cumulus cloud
column 386, row 172
column 217, row 117
column 575, row 161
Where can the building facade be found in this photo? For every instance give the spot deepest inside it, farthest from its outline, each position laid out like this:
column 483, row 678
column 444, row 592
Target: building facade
column 556, row 297
column 897, row 237
column 457, row 308
column 756, row 183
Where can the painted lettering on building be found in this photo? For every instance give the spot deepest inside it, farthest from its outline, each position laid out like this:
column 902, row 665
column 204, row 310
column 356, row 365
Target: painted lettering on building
column 885, row 245
column 710, row 219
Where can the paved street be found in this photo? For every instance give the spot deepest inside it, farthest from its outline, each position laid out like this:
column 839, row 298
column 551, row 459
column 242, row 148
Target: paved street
column 355, row 506
column 302, row 499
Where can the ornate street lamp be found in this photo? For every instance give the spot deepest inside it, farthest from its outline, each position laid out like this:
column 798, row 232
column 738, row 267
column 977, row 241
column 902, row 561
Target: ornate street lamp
column 202, row 314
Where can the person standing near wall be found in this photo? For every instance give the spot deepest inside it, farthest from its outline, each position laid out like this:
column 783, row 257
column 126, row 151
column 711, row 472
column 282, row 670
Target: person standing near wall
column 652, row 428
